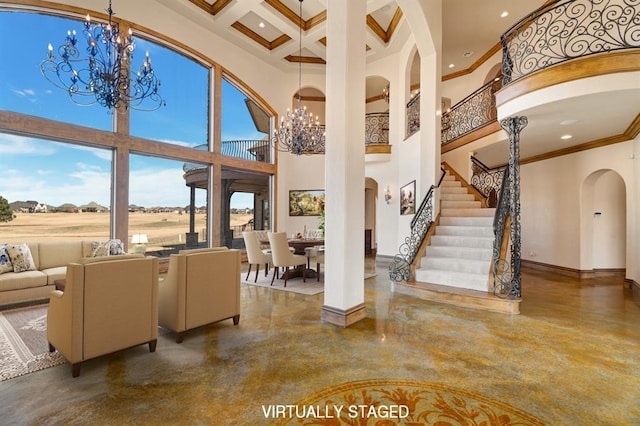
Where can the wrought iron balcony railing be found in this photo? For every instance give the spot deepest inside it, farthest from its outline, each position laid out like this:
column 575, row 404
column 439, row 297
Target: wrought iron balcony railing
column 564, row 30
column 376, row 131
column 254, row 150
column 473, row 112
column 413, row 115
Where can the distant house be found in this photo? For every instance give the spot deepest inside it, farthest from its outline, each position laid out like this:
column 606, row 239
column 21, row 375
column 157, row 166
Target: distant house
column 93, row 207
column 133, row 208
column 68, row 208
column 41, row 208
column 23, row 206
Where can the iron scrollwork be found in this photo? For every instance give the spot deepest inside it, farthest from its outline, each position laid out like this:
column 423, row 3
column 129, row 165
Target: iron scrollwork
column 376, row 130
column 413, row 115
column 513, row 126
column 400, row 267
column 487, row 181
column 566, row 30
column 473, row 112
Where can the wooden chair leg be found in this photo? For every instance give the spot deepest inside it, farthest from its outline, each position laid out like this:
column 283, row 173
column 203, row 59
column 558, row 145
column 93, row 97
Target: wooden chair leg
column 266, row 269
column 255, row 280
column 152, row 345
column 248, row 272
column 51, row 348
column 286, row 274
column 318, row 269
column 236, row 319
column 75, row 369
column 304, row 274
column 274, row 275
column 180, row 337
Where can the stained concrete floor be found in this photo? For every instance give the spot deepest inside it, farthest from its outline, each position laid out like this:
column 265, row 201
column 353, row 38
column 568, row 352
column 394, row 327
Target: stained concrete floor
column 572, row 357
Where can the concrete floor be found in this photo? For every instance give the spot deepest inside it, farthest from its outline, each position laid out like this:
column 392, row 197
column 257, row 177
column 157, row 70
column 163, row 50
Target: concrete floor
column 571, row 358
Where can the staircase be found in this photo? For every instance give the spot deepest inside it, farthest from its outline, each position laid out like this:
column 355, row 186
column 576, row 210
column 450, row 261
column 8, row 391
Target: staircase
column 459, row 254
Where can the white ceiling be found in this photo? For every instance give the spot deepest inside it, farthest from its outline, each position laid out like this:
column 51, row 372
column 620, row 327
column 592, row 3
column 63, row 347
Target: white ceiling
column 471, row 28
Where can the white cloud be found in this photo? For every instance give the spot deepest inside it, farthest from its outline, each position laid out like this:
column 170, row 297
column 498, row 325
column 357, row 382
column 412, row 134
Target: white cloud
column 20, row 145
column 24, row 92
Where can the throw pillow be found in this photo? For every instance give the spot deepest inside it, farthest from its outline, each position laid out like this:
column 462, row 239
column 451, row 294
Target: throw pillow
column 21, row 258
column 5, row 261
column 116, row 248
column 107, row 248
column 100, row 248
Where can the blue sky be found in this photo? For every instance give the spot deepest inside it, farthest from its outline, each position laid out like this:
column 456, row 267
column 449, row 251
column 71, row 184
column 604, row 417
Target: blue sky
column 56, row 173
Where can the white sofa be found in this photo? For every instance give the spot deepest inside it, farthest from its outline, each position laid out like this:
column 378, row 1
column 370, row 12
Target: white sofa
column 51, row 259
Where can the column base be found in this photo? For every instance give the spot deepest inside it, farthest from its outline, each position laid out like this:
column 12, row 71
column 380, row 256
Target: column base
column 343, row 318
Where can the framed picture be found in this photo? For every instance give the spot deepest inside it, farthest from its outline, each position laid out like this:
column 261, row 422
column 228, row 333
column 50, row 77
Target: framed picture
column 306, row 202
column 408, row 198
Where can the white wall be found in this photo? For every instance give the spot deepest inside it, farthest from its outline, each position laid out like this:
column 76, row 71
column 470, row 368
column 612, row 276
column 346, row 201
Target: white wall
column 459, row 88
column 551, row 206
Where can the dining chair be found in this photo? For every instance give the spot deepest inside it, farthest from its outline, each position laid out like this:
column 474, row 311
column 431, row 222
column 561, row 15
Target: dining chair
column 319, row 259
column 255, row 255
column 282, row 257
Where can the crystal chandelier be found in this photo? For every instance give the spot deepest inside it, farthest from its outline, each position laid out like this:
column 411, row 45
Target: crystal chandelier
column 299, row 132
column 105, row 76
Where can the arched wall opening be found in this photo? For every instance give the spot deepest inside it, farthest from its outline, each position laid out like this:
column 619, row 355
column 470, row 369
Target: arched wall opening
column 604, row 222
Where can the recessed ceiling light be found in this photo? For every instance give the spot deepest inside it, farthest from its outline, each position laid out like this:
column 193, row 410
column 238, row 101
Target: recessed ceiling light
column 504, row 14
column 451, row 65
column 568, row 122
column 261, row 24
column 566, row 137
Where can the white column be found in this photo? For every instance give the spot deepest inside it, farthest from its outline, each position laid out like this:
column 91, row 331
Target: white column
column 344, row 163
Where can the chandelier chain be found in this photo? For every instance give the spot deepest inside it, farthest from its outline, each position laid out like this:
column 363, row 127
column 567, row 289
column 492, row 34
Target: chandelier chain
column 299, row 132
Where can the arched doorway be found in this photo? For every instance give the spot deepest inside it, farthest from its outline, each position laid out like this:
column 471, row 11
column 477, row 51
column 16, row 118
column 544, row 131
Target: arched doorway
column 604, row 222
column 370, row 199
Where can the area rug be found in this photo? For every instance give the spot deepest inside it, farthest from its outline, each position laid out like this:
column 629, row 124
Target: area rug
column 397, row 401
column 295, row 285
column 23, row 342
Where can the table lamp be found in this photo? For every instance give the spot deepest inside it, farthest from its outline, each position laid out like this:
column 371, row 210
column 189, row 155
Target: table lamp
column 140, row 241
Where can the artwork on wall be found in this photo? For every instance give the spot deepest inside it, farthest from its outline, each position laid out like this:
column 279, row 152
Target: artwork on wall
column 408, row 198
column 306, row 202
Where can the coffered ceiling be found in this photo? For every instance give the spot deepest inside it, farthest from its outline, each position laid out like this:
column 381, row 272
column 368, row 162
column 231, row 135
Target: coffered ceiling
column 270, row 29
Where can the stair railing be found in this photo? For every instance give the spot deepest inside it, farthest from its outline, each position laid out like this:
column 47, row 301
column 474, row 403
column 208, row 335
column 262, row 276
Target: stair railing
column 502, row 271
column 400, row 267
column 487, row 181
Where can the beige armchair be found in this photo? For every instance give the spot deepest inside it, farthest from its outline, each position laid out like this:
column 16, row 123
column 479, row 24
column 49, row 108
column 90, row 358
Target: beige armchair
column 200, row 288
column 106, row 306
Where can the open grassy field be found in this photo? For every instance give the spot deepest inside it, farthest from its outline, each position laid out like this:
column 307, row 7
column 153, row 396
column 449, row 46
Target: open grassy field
column 161, row 228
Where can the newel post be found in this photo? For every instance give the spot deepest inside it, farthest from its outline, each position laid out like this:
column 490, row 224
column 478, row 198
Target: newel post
column 513, row 126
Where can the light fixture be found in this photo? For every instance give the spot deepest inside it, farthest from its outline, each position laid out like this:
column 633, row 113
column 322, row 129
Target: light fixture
column 140, row 241
column 566, row 137
column 504, row 14
column 387, row 194
column 261, row 24
column 451, row 65
column 299, row 132
column 385, row 93
column 105, row 77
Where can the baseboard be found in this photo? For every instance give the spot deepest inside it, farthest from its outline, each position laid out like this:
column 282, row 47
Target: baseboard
column 574, row 273
column 343, row 318
column 631, row 284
